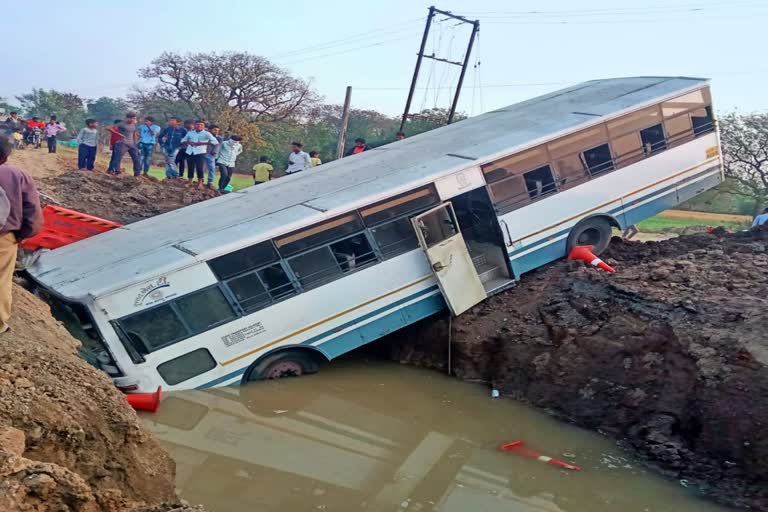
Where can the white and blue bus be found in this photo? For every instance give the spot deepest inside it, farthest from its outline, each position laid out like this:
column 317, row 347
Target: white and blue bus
column 272, row 280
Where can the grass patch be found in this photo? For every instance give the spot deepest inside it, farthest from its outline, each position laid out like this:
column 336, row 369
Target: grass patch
column 661, row 224
column 239, row 181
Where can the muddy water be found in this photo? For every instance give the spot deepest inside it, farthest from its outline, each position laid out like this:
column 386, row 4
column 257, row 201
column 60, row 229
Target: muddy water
column 377, row 436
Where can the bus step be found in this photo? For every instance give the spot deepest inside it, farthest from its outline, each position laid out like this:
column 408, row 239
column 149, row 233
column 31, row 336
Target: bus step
column 498, row 284
column 488, row 272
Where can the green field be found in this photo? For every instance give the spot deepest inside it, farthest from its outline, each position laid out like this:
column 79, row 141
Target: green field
column 659, row 224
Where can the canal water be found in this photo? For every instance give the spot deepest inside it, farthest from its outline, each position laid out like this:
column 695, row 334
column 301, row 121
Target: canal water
column 377, row 436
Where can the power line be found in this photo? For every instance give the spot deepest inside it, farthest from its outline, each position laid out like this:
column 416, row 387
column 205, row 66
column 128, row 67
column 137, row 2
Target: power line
column 354, row 38
column 698, row 6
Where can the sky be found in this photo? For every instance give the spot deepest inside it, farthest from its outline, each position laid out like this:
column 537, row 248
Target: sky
column 525, row 48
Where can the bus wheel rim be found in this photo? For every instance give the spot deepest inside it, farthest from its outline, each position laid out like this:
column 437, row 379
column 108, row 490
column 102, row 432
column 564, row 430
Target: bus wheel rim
column 284, row 369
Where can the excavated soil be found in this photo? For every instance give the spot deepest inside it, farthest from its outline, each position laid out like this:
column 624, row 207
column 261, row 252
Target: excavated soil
column 669, row 355
column 68, row 439
column 121, row 198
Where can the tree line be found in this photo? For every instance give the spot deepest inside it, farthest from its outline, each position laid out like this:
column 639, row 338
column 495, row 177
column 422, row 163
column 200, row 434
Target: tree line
column 244, row 94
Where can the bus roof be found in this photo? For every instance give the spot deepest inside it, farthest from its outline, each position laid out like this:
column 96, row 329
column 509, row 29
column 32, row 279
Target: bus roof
column 137, row 252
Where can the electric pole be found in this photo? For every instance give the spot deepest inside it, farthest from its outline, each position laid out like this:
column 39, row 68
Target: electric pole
column 430, row 18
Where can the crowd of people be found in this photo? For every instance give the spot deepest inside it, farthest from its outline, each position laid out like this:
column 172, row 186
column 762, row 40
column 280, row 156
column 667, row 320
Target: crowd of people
column 195, row 148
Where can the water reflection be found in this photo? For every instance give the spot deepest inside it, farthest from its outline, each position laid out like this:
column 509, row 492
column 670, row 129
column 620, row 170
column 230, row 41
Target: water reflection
column 382, row 437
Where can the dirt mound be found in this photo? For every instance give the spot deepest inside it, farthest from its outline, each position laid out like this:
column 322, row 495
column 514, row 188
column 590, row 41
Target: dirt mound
column 68, row 440
column 669, row 355
column 121, row 198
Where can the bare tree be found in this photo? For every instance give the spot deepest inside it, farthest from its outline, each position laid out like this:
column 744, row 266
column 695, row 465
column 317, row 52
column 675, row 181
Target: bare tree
column 744, row 138
column 211, row 83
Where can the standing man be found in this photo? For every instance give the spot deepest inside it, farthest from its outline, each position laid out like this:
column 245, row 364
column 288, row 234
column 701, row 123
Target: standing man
column 226, row 160
column 197, row 142
column 760, row 219
column 213, row 153
column 88, row 141
column 52, row 129
column 298, row 160
column 170, row 142
column 114, row 138
column 181, row 157
column 147, row 139
column 20, row 218
column 358, row 148
column 127, row 143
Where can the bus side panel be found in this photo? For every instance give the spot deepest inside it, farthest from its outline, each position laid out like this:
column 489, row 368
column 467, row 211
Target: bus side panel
column 539, row 231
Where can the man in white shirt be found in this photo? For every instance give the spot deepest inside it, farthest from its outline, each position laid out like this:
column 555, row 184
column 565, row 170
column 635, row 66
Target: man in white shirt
column 298, row 160
column 760, row 219
column 197, row 142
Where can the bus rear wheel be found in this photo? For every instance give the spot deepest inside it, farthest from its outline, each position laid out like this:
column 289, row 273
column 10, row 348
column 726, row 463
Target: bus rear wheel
column 291, row 363
column 595, row 232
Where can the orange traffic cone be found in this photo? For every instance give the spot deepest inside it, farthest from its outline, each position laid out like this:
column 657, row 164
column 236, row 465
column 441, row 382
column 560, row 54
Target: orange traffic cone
column 517, row 447
column 584, row 253
column 145, row 401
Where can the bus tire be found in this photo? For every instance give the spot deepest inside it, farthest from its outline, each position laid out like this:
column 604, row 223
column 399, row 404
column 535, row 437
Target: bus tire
column 595, row 231
column 288, row 363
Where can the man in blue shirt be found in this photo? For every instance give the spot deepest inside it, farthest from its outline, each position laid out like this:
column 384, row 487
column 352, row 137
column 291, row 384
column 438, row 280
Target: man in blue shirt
column 169, row 139
column 147, row 140
column 197, row 142
column 760, row 219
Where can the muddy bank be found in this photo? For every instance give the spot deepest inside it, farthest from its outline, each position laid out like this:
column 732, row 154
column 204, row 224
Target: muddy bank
column 121, row 198
column 68, row 439
column 669, row 356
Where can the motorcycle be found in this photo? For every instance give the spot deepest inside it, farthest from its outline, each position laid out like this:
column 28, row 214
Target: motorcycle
column 34, row 138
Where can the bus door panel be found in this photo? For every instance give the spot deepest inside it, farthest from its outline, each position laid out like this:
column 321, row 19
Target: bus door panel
column 440, row 237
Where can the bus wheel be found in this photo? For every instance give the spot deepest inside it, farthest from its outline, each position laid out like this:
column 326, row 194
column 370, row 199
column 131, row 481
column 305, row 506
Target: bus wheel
column 595, row 231
column 291, row 363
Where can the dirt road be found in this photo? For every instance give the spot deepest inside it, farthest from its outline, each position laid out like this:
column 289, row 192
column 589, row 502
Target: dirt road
column 705, row 216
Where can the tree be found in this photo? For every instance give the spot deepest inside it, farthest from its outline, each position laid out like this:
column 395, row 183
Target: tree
column 744, row 139
column 7, row 108
column 210, row 83
column 106, row 110
column 67, row 107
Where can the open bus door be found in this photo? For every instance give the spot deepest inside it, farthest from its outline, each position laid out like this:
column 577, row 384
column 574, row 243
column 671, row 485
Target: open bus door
column 440, row 237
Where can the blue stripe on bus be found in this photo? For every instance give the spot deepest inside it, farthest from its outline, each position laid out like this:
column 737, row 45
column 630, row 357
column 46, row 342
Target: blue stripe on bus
column 418, row 312
column 379, row 311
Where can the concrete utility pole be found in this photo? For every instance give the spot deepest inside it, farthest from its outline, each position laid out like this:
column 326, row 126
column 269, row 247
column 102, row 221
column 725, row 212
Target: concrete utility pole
column 344, row 124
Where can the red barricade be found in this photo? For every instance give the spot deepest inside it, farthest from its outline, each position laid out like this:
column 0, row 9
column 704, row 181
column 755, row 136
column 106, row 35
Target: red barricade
column 63, row 226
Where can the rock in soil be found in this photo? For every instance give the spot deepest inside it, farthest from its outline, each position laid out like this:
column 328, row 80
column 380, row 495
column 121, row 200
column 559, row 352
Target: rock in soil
column 669, row 355
column 68, row 439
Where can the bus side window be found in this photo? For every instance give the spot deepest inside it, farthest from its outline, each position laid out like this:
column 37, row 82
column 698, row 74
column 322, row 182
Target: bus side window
column 653, row 139
column 540, row 182
column 702, row 121
column 326, row 251
column 389, row 220
column 599, row 159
